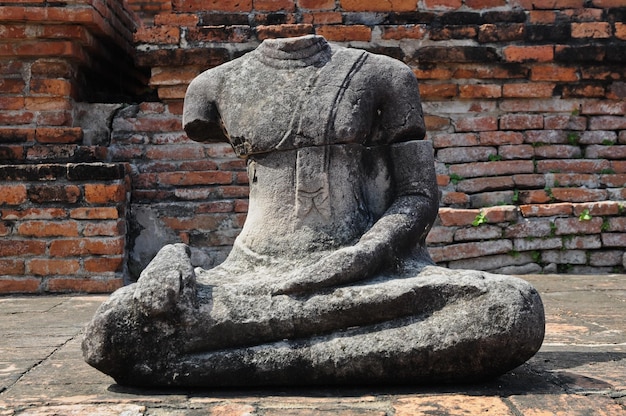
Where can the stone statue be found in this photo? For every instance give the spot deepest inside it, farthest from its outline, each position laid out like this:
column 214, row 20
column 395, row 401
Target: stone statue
column 329, row 281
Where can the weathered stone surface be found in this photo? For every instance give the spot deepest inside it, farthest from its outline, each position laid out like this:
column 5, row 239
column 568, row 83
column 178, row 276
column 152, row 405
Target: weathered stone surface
column 329, row 281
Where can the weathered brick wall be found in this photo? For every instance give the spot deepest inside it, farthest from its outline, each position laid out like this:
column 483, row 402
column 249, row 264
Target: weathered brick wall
column 62, row 210
column 524, row 103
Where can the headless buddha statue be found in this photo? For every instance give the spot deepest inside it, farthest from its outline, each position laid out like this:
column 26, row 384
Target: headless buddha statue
column 329, row 281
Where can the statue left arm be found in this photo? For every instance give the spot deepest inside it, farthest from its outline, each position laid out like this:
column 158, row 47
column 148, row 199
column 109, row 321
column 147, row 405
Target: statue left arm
column 404, row 225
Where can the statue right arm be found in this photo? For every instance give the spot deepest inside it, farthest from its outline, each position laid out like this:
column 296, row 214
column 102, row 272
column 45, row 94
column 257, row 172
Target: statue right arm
column 201, row 119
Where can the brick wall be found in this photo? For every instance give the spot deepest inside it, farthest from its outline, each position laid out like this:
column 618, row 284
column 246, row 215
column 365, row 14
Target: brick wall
column 524, row 103
column 62, row 209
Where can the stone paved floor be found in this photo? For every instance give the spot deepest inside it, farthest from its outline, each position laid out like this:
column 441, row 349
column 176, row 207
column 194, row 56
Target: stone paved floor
column 580, row 370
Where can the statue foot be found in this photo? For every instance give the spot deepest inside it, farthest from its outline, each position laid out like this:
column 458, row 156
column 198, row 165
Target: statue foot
column 168, row 283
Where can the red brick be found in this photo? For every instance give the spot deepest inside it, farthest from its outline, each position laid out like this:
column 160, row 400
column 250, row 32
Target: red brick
column 521, row 121
column 438, row 91
column 12, row 194
column 472, row 170
column 273, row 5
column 103, row 228
column 450, row 217
column 557, row 122
column 620, row 30
column 600, row 208
column 596, row 30
column 12, row 103
column 544, row 53
column 195, row 178
column 542, row 137
column 587, row 91
column 526, row 228
column 176, row 19
column 173, row 76
column 613, row 181
column 433, row 73
column 103, row 194
column 54, row 193
column 479, row 123
column 51, row 68
column 561, row 151
column 282, row 31
column 322, row 18
column 11, row 267
column 12, row 85
column 439, row 235
column 212, row 5
column 604, row 107
column 19, row 285
column 454, row 140
column 55, row 87
column 48, row 229
column 574, row 166
column 452, row 32
column 84, row 285
column 378, row 6
column 11, row 248
column 484, row 232
column 617, row 224
column 15, row 117
column 606, row 258
column 485, row 184
column 466, row 154
column 436, row 123
column 104, row 264
column 443, row 180
column 93, row 213
column 87, row 246
column 607, row 123
column 198, row 222
column 241, row 205
column 66, row 135
column 565, row 226
column 403, row 32
column 546, row 210
column 341, row 33
column 480, row 91
column 575, row 179
column 614, row 240
column 175, row 152
column 470, row 250
column 316, row 4
column 484, row 4
column 46, row 267
column 522, row 151
column 46, row 103
column 157, row 35
column 535, row 196
column 497, row 138
column 529, row 180
column 619, row 166
column 470, row 71
column 525, row 244
column 455, row 198
column 579, row 194
column 560, row 4
column 553, row 73
column 606, row 152
column 579, row 242
column 541, row 16
column 443, row 4
column 528, row 90
column 176, row 92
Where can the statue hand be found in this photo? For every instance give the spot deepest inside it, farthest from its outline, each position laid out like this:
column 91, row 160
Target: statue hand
column 346, row 265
